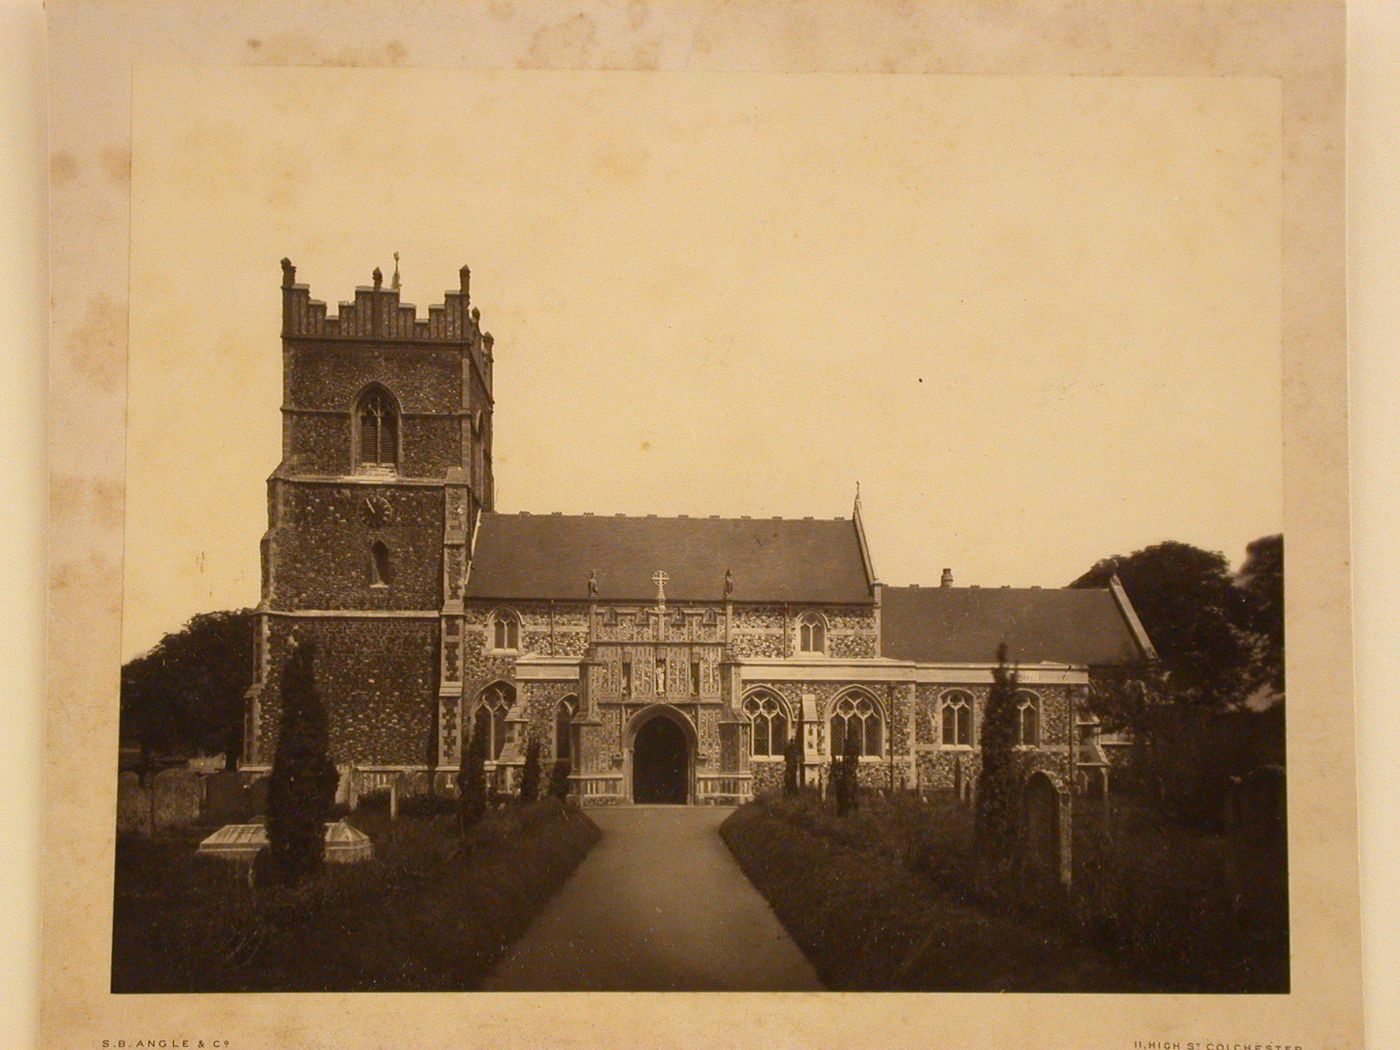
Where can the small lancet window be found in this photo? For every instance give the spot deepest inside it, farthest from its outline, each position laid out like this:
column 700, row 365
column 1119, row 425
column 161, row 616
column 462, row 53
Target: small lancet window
column 379, row 567
column 812, row 634
column 506, row 630
column 378, row 430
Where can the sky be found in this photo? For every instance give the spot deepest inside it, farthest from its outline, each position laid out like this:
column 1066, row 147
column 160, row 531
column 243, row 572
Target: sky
column 1036, row 318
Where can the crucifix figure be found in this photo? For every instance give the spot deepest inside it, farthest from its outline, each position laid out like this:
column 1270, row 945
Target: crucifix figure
column 660, row 580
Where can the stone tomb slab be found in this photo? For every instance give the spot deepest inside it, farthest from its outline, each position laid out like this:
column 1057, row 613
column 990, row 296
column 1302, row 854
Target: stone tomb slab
column 242, row 842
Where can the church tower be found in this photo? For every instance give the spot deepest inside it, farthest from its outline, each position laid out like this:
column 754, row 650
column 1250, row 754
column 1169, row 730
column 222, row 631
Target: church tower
column 385, row 471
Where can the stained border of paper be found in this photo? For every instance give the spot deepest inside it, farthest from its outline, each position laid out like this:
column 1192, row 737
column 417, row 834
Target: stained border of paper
column 93, row 49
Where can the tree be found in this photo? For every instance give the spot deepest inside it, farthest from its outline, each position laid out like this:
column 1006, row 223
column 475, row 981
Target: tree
column 559, row 779
column 1192, row 611
column 998, row 782
column 530, row 775
column 1261, row 580
column 471, row 782
column 186, row 694
column 302, row 786
column 792, row 765
column 848, row 778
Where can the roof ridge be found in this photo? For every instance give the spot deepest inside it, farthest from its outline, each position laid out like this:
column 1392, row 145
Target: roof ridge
column 606, row 516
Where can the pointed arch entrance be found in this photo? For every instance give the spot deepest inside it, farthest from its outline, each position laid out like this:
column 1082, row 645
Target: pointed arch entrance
column 661, row 747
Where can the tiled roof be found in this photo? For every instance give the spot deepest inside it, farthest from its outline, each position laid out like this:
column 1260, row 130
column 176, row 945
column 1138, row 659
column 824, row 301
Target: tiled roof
column 966, row 624
column 522, row 556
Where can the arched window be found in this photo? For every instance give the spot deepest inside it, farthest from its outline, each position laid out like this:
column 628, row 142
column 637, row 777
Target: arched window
column 955, row 718
column 811, row 634
column 379, row 567
column 856, row 716
column 564, row 712
column 492, row 707
column 768, row 721
column 377, row 430
column 1027, row 719
column 505, row 630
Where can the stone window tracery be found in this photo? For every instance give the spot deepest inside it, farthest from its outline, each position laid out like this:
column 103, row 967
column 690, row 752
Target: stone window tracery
column 955, row 719
column 505, row 630
column 564, row 712
column 855, row 715
column 377, row 430
column 379, row 567
column 811, row 633
column 1027, row 719
column 492, row 706
column 769, row 722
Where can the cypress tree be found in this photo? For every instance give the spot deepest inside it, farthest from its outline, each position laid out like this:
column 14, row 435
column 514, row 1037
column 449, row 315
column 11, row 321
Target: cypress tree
column 559, row 779
column 792, row 764
column 998, row 790
column 301, row 790
column 530, row 775
column 850, row 772
column 471, row 781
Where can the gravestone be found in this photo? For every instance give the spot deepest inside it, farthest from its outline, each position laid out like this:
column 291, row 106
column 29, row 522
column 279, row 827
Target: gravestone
column 133, row 806
column 256, row 799
column 176, row 802
column 1045, row 829
column 224, row 799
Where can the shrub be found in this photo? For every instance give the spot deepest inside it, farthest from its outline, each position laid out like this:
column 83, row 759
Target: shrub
column 848, row 779
column 530, row 775
column 302, row 786
column 427, row 806
column 559, row 779
column 376, row 799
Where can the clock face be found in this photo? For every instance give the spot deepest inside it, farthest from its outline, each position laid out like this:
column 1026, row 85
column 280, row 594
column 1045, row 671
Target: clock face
column 376, row 511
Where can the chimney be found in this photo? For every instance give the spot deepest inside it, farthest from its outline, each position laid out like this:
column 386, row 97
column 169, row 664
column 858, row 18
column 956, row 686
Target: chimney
column 947, row 580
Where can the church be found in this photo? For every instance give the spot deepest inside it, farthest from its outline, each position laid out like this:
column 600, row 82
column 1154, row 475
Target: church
column 665, row 659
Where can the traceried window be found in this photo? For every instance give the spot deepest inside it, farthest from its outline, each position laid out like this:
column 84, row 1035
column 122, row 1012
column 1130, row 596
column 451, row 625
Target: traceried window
column 811, row 634
column 379, row 568
column 955, row 719
column 505, row 630
column 1027, row 719
column 564, row 712
column 377, row 434
column 492, row 707
column 768, row 721
column 856, row 716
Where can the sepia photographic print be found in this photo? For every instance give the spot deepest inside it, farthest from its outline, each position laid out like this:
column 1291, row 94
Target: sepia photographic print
column 648, row 498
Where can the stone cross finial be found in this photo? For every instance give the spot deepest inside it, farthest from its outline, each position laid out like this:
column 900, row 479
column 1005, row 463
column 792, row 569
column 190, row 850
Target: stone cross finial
column 394, row 281
column 592, row 584
column 660, row 578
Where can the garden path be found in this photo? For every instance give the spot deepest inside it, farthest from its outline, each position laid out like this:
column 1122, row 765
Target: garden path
column 659, row 904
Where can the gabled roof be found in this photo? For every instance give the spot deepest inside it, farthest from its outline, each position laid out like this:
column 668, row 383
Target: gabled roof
column 539, row 556
column 966, row 624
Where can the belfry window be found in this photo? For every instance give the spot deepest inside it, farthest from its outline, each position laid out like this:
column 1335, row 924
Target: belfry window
column 856, row 717
column 378, row 430
column 768, row 724
column 811, row 634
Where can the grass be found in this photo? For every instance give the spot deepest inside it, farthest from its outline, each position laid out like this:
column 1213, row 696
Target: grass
column 892, row 897
column 868, row 923
column 426, row 914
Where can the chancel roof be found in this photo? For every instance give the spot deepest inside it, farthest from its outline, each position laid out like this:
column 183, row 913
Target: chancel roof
column 967, row 624
column 540, row 556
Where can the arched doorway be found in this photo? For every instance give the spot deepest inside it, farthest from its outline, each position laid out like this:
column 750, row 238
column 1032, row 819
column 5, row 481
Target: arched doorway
column 660, row 763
